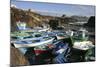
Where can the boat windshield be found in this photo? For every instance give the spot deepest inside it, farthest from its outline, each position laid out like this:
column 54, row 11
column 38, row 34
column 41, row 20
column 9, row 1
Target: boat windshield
column 80, row 35
column 77, row 35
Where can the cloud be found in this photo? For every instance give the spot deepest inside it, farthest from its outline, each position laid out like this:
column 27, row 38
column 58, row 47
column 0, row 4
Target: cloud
column 12, row 5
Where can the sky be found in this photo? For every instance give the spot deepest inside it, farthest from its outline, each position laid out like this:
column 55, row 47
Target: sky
column 54, row 8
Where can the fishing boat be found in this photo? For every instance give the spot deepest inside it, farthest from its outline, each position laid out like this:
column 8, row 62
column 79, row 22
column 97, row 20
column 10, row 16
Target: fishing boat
column 33, row 43
column 80, row 40
column 21, row 25
column 26, row 35
column 61, row 36
column 40, row 29
column 18, row 35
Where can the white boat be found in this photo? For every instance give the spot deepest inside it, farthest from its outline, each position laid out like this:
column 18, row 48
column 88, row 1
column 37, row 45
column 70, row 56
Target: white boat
column 84, row 45
column 39, row 29
column 32, row 43
column 62, row 36
column 21, row 25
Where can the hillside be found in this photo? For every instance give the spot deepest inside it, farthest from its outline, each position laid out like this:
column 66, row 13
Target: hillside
column 31, row 18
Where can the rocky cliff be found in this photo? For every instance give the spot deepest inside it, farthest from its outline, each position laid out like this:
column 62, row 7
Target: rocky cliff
column 31, row 18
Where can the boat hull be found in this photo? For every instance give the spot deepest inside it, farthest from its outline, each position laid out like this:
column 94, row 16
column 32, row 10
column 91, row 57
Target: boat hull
column 34, row 44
